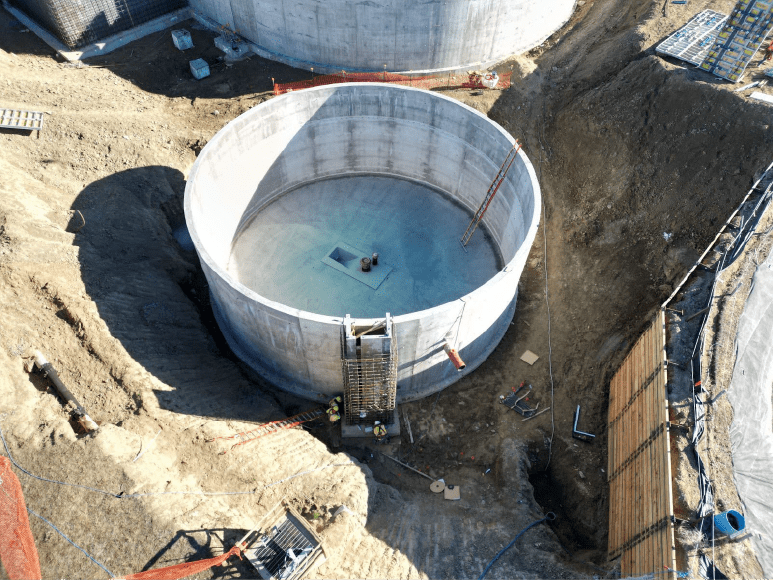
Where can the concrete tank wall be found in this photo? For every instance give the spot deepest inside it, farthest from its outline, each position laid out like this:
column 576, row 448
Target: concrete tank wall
column 403, row 35
column 366, row 129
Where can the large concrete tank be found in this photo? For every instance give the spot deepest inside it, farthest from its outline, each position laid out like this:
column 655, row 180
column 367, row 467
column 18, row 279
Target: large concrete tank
column 286, row 198
column 401, row 35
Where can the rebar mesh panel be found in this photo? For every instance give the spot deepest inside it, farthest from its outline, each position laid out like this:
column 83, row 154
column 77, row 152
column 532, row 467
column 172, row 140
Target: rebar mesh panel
column 692, row 42
column 370, row 387
column 273, row 551
column 80, row 22
column 745, row 30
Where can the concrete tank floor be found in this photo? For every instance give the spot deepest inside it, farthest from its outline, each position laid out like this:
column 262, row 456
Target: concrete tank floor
column 414, row 229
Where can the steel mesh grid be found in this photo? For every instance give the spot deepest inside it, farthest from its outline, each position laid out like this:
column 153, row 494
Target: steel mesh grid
column 80, row 22
column 284, row 536
column 370, row 387
column 744, row 32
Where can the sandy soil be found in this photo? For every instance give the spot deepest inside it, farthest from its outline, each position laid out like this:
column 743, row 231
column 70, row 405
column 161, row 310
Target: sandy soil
column 628, row 147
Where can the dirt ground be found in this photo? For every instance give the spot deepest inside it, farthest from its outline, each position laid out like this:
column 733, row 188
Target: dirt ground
column 641, row 160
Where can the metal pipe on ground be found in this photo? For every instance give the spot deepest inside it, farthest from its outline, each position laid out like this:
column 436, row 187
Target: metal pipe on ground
column 80, row 413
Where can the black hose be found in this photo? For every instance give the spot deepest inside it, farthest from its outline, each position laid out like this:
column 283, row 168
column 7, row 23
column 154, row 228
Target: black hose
column 549, row 517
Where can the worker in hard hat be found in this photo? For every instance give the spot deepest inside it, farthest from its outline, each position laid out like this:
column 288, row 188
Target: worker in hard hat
column 335, row 401
column 380, row 432
column 333, row 414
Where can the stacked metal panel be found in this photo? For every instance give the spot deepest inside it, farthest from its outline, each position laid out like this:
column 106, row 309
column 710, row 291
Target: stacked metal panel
column 80, row 22
column 744, row 32
column 22, row 120
column 692, row 42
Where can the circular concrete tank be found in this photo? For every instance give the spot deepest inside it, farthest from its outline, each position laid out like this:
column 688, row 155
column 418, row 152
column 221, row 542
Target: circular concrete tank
column 401, row 35
column 290, row 194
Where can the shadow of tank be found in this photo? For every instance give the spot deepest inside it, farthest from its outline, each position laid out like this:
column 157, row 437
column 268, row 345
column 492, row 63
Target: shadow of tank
column 399, row 35
column 285, row 201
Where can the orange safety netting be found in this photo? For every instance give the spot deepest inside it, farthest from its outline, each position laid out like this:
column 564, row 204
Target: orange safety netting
column 185, row 569
column 449, row 81
column 18, row 553
column 17, row 547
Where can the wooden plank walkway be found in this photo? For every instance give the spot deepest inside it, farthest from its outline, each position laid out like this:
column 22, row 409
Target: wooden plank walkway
column 641, row 506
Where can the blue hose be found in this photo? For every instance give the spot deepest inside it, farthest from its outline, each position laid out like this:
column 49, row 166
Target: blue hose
column 549, row 517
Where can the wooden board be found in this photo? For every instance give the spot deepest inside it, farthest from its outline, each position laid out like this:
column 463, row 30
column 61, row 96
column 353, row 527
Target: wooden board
column 641, row 528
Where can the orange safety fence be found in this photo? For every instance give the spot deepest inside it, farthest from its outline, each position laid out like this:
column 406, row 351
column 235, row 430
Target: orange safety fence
column 18, row 553
column 17, row 547
column 185, row 569
column 449, row 81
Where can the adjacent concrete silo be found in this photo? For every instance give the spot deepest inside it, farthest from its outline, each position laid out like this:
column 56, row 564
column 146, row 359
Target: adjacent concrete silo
column 284, row 202
column 401, row 35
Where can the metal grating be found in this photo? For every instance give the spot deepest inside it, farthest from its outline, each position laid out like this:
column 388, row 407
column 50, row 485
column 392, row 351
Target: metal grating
column 285, row 549
column 745, row 30
column 692, row 42
column 80, row 22
column 370, row 374
column 22, row 120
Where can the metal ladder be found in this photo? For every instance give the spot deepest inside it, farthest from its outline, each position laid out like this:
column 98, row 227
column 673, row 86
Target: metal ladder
column 272, row 427
column 492, row 191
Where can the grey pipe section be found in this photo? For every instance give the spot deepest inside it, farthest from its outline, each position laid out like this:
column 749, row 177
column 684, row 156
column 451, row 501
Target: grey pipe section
column 49, row 371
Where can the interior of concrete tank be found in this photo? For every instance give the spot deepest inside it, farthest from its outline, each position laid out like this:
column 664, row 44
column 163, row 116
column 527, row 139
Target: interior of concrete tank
column 585, row 392
column 304, row 249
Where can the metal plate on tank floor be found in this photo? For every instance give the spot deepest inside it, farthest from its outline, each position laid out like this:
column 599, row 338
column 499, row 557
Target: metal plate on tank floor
column 346, row 259
column 414, row 228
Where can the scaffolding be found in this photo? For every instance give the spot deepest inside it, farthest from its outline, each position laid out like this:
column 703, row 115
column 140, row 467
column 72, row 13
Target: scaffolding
column 369, row 371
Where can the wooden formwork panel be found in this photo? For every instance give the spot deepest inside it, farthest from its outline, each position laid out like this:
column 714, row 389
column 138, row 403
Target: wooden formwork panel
column 641, row 507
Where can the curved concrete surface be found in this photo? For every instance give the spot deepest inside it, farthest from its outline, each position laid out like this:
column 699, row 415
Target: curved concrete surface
column 415, row 230
column 359, row 130
column 751, row 432
column 403, row 35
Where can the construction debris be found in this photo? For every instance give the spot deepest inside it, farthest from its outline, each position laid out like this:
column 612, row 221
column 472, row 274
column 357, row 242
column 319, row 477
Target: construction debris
column 517, row 401
column 409, row 467
column 452, row 492
column 21, row 120
column 576, row 433
column 408, row 425
column 437, row 486
column 762, row 97
column 199, row 68
column 761, row 83
column 182, row 39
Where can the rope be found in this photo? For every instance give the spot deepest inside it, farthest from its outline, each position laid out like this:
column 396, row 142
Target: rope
column 89, row 556
column 122, row 495
column 549, row 517
column 547, row 299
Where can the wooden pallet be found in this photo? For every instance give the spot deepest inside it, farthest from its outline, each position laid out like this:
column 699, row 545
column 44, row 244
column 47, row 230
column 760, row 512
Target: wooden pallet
column 641, row 512
column 21, row 120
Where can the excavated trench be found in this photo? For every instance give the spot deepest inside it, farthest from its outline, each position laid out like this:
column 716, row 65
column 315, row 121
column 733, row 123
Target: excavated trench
column 639, row 160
